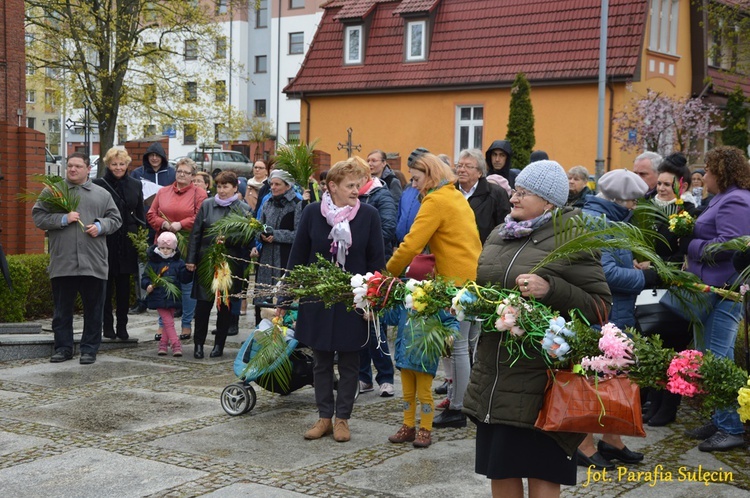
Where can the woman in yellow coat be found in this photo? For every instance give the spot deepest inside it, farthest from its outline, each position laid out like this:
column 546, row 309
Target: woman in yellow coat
column 445, row 224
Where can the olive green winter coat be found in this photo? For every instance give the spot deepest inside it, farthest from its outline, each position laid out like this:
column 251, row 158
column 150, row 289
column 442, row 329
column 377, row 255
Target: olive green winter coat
column 497, row 392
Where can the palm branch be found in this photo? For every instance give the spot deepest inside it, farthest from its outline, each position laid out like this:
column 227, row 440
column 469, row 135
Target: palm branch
column 56, row 195
column 739, row 244
column 214, row 272
column 183, row 240
column 429, row 338
column 139, row 239
column 297, row 160
column 159, row 280
column 236, row 228
column 270, row 364
column 183, row 237
column 585, row 234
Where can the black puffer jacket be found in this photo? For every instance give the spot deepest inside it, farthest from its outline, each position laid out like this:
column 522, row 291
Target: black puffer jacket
column 490, row 204
column 497, row 392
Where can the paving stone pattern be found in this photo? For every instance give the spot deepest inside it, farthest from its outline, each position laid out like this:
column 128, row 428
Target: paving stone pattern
column 136, row 424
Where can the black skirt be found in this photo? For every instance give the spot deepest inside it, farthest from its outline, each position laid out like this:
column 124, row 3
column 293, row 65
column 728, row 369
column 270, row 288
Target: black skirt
column 507, row 452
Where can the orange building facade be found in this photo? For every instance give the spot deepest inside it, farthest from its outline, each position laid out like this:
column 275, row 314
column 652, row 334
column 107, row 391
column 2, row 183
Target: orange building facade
column 397, row 105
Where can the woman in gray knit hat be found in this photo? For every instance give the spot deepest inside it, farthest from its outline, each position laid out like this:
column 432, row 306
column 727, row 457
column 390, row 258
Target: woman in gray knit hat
column 504, row 396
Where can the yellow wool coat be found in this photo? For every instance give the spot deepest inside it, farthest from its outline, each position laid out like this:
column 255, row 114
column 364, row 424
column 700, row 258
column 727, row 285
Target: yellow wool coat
column 445, row 222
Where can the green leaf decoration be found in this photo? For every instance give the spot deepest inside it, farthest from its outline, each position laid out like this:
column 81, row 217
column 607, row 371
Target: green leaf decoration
column 651, row 360
column 237, row 228
column 428, row 338
column 270, row 365
column 158, row 280
column 323, row 280
column 740, row 244
column 139, row 239
column 209, row 262
column 722, row 379
column 587, row 234
column 56, row 195
column 297, row 160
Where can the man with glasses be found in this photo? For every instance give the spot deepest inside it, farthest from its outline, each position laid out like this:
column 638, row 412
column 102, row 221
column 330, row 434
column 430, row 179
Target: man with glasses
column 489, row 202
column 78, row 259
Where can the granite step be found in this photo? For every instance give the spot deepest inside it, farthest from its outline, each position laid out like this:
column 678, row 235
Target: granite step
column 21, row 328
column 41, row 345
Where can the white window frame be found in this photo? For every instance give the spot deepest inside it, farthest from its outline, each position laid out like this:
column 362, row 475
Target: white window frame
column 30, row 96
column 348, row 31
column 300, row 45
column 664, row 18
column 422, row 55
column 472, row 124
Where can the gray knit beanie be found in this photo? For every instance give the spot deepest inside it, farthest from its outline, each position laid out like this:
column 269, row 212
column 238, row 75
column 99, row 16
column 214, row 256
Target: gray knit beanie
column 547, row 179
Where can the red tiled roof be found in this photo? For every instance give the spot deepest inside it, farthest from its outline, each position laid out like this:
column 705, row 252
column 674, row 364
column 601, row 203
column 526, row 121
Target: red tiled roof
column 476, row 43
column 414, row 6
column 354, row 9
column 724, row 82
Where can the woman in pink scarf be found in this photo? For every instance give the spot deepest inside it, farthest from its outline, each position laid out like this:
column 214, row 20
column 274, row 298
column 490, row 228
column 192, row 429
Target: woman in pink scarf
column 343, row 230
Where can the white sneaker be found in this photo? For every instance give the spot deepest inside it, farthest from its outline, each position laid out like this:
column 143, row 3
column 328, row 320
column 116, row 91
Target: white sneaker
column 386, row 390
column 365, row 388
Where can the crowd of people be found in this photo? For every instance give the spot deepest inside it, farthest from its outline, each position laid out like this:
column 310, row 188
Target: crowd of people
column 478, row 220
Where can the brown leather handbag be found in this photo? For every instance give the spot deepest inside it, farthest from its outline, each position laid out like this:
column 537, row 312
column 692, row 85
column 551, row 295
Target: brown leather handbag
column 575, row 403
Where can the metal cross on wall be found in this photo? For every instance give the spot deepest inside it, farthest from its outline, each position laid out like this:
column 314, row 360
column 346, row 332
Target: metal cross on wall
column 348, row 145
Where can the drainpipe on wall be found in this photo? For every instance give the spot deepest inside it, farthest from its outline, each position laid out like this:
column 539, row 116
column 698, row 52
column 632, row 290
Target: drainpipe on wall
column 611, row 89
column 307, row 120
column 278, row 75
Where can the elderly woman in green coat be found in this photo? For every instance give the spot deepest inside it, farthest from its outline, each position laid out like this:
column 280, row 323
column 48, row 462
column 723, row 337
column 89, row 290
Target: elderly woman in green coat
column 504, row 400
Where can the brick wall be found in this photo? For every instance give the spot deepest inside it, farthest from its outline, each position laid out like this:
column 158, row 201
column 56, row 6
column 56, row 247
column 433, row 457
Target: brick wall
column 21, row 149
column 321, row 161
column 12, row 62
column 21, row 156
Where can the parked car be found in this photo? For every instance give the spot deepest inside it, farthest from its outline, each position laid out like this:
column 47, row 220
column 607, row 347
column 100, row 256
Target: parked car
column 52, row 164
column 216, row 161
column 94, row 162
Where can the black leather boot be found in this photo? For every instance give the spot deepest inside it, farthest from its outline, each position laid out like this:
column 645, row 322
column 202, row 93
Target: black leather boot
column 217, row 351
column 667, row 411
column 655, row 398
column 198, row 351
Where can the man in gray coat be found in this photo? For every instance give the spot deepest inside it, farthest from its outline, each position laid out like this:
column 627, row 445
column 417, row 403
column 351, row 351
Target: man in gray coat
column 78, row 258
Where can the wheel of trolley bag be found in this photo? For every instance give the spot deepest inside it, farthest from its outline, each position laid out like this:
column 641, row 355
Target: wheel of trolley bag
column 237, row 399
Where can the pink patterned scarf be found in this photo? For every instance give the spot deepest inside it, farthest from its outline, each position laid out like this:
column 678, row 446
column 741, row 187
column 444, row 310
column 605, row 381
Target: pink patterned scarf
column 338, row 218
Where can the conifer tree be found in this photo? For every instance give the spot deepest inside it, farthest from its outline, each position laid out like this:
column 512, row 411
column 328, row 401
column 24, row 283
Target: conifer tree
column 521, row 122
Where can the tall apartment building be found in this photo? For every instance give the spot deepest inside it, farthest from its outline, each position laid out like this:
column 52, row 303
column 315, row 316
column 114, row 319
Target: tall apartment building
column 267, row 46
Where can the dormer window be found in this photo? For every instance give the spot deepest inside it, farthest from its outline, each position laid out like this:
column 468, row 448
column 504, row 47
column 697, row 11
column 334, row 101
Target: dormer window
column 353, row 44
column 416, row 40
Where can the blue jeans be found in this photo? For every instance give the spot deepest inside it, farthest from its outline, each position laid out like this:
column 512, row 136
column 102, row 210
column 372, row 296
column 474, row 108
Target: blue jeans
column 377, row 353
column 188, row 305
column 92, row 291
column 721, row 321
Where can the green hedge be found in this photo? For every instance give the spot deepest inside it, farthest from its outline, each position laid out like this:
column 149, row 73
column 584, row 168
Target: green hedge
column 39, row 302
column 13, row 303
